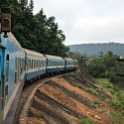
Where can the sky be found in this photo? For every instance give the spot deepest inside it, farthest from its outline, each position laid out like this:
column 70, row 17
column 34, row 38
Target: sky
column 86, row 21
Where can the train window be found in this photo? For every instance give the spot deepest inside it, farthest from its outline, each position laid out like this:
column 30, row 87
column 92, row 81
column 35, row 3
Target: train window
column 37, row 63
column 21, row 64
column 7, row 67
column 6, row 93
column 50, row 63
column 18, row 68
column 29, row 64
column 43, row 64
column 24, row 64
column 40, row 63
column 7, row 73
column 15, row 70
column 32, row 64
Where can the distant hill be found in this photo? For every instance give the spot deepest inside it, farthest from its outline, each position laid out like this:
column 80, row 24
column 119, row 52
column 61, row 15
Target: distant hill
column 93, row 49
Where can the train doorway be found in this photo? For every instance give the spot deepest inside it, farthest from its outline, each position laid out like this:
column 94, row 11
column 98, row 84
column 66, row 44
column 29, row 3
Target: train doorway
column 1, row 111
column 2, row 80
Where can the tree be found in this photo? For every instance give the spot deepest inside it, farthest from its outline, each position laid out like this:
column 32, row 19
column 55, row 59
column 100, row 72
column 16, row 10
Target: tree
column 31, row 5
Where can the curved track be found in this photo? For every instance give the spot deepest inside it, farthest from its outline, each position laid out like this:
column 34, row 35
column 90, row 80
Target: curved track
column 25, row 100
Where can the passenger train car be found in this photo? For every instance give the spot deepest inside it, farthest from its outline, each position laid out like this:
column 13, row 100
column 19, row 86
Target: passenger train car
column 54, row 64
column 69, row 64
column 18, row 65
column 35, row 65
column 12, row 72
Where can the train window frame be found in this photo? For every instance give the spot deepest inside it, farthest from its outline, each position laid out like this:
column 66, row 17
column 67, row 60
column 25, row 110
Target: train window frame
column 15, row 70
column 6, row 78
column 21, row 65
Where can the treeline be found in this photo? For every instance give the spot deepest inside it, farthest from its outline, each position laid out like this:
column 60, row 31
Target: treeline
column 102, row 65
column 36, row 32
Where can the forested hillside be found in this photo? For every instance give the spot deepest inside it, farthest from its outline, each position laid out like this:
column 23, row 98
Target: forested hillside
column 36, row 32
column 93, row 49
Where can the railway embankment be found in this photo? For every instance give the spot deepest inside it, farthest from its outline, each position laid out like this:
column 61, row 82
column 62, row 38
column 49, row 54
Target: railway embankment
column 73, row 99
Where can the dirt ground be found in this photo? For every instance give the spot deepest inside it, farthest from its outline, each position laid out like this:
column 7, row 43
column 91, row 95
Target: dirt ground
column 67, row 102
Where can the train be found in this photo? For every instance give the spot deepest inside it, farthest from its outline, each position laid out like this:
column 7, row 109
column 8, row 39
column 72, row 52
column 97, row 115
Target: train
column 19, row 66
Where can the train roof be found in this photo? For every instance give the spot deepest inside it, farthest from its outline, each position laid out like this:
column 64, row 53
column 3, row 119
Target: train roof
column 30, row 52
column 75, row 60
column 52, row 56
column 68, row 58
column 13, row 39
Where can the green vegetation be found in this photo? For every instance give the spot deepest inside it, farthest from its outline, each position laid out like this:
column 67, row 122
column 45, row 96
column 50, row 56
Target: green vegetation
column 86, row 121
column 92, row 91
column 101, row 66
column 117, row 117
column 36, row 32
column 117, row 101
column 96, row 104
column 80, row 87
column 118, row 96
column 41, row 113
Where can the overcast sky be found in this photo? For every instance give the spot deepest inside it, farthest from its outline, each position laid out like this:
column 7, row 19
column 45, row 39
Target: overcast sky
column 86, row 21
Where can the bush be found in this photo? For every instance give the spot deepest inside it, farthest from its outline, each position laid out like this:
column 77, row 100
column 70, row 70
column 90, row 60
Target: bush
column 113, row 78
column 92, row 91
column 87, row 121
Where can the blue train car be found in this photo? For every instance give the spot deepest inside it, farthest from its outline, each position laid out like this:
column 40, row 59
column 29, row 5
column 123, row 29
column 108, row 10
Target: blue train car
column 69, row 64
column 12, row 71
column 35, row 65
column 54, row 64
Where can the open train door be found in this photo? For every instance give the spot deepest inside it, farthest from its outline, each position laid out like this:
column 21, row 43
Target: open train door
column 2, row 80
column 1, row 113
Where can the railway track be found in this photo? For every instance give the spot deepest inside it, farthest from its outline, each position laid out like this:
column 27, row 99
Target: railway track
column 26, row 100
column 27, row 97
